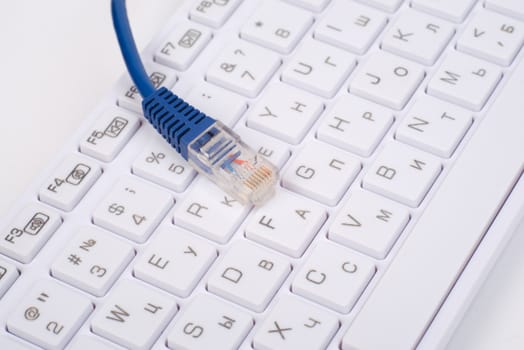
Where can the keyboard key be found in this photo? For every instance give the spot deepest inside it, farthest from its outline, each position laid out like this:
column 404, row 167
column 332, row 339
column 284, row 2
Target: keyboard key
column 244, row 68
column 464, row 80
column 208, row 211
column 355, row 125
column 285, row 113
column 70, row 182
column 217, row 103
column 277, row 152
column 8, row 275
column 453, row 10
column 161, row 164
column 159, row 75
column 386, row 5
column 132, row 209
column 321, row 172
column 507, row 7
column 387, row 79
column 133, row 315
column 295, row 324
column 49, row 315
column 313, row 5
column 208, row 323
column 350, row 26
column 418, row 36
column 84, row 342
column 318, row 68
column 92, row 261
column 287, row 223
column 492, row 37
column 402, row 173
column 28, row 232
column 333, row 276
column 182, row 45
column 213, row 13
column 174, row 261
column 277, row 26
column 369, row 223
column 109, row 134
column 248, row 275
column 434, row 126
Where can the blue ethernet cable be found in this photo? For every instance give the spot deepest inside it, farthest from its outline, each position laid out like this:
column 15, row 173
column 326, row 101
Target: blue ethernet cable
column 210, row 147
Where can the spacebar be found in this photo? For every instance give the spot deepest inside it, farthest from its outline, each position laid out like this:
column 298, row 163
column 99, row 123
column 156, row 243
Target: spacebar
column 412, row 289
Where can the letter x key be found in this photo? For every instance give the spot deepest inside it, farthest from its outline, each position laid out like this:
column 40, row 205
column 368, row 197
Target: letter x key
column 279, row 330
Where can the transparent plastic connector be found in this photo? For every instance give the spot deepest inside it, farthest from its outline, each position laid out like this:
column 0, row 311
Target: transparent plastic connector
column 220, row 155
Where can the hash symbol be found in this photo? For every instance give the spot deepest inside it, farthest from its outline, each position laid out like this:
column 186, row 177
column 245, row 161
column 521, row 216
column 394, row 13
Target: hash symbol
column 74, row 259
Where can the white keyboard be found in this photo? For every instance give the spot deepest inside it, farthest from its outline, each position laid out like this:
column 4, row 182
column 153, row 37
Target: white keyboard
column 387, row 118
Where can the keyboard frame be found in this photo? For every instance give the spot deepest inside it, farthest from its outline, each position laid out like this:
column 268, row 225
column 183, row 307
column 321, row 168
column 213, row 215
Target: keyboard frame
column 457, row 301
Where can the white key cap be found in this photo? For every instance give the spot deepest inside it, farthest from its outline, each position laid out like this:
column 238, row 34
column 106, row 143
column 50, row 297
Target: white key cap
column 313, row 5
column 85, row 342
column 162, row 164
column 49, row 315
column 208, row 211
column 92, row 261
column 508, row 7
column 333, row 276
column 244, row 68
column 217, row 103
column 132, row 209
column 434, row 126
column 70, row 182
column 295, row 324
column 182, row 45
column 207, row 323
column 369, row 223
column 418, row 36
column 464, row 80
column 386, row 5
column 412, row 289
column 492, row 37
column 109, row 134
column 277, row 152
column 159, row 75
column 28, row 232
column 287, row 223
column 350, row 26
column 133, row 315
column 318, row 68
column 8, row 275
column 248, row 275
column 321, row 172
column 355, row 124
column 213, row 13
column 277, row 26
column 174, row 261
column 402, row 173
column 387, row 79
column 285, row 113
column 453, row 10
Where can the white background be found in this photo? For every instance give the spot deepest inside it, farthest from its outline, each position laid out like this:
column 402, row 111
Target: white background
column 59, row 57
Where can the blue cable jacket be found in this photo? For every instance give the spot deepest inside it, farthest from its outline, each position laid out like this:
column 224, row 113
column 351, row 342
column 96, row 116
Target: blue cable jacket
column 128, row 48
column 176, row 120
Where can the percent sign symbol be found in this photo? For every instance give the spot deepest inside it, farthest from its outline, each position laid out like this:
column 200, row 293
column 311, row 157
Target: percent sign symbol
column 155, row 157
